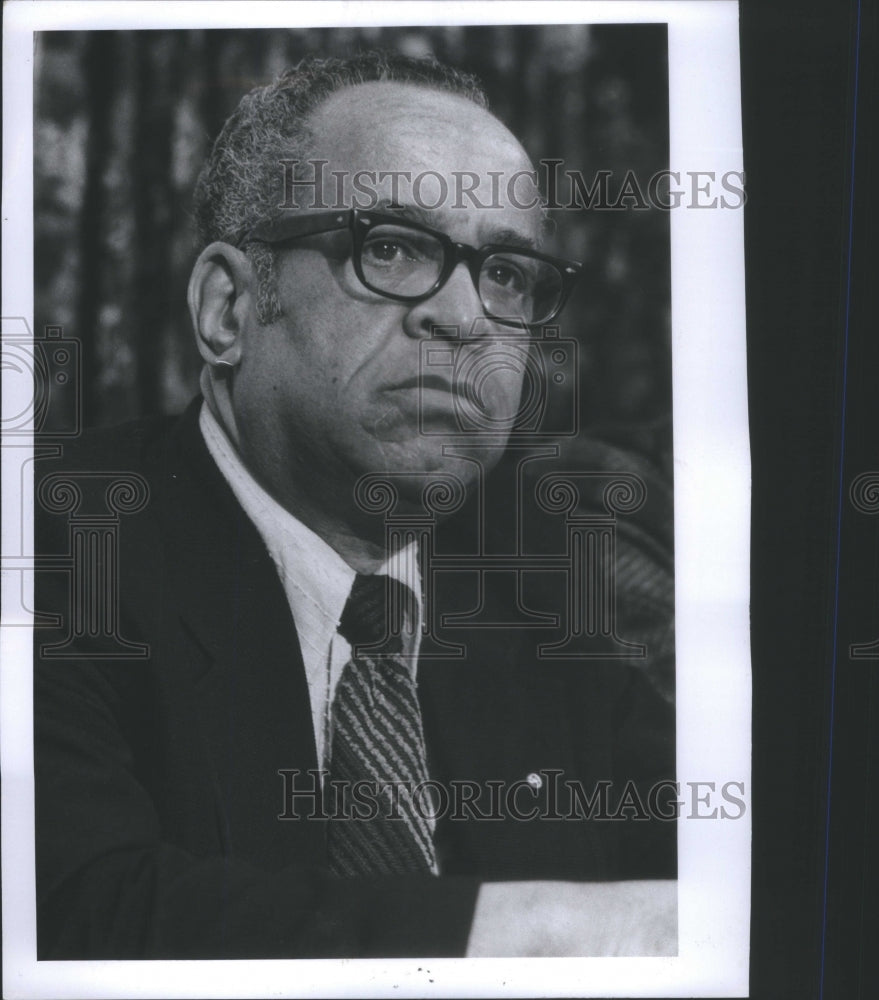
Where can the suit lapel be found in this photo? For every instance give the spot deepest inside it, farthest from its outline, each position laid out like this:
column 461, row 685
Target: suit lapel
column 250, row 691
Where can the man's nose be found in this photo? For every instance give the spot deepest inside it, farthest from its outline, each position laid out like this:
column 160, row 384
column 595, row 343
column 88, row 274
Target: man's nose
column 454, row 311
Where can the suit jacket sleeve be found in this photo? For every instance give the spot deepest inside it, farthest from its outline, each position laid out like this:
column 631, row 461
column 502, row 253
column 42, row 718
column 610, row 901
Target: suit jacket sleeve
column 111, row 885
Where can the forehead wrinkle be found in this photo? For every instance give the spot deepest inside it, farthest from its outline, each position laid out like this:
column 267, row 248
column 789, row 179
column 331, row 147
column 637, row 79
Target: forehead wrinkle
column 433, row 218
column 389, row 100
column 400, row 114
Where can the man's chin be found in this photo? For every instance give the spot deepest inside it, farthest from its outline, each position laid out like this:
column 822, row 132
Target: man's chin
column 427, row 478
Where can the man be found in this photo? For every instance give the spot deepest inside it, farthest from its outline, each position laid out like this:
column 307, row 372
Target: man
column 211, row 799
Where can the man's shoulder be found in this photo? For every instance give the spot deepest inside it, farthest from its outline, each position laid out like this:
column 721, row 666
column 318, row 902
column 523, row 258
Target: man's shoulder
column 133, row 471
column 123, row 447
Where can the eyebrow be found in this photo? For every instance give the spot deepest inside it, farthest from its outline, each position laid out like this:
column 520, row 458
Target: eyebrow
column 415, row 213
column 509, row 237
column 412, row 212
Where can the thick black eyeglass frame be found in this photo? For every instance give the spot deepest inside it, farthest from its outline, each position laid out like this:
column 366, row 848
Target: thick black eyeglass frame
column 359, row 222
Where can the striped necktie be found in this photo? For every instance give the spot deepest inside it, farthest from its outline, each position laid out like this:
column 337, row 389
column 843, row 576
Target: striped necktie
column 377, row 738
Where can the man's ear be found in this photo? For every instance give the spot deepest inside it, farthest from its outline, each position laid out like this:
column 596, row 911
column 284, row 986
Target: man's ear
column 220, row 293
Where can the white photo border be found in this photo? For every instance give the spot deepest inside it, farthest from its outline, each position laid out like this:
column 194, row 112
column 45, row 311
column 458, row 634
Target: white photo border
column 712, row 524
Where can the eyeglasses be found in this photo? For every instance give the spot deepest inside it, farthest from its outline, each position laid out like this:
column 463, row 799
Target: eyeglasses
column 409, row 262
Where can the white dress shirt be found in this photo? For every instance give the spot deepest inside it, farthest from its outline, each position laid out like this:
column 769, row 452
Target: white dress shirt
column 316, row 580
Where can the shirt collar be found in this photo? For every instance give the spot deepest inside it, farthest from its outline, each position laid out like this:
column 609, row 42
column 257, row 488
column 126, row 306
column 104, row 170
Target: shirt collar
column 316, row 578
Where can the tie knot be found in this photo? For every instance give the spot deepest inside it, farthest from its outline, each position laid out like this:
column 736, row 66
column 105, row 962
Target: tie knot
column 376, row 612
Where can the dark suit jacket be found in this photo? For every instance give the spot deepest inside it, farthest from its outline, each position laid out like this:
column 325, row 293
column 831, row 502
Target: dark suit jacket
column 157, row 779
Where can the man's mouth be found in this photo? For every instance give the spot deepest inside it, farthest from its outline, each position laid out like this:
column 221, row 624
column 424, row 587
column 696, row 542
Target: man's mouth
column 436, row 382
column 427, row 402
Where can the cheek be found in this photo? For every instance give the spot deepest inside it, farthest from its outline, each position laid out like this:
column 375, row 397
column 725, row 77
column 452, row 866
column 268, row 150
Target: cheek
column 507, row 389
column 491, row 378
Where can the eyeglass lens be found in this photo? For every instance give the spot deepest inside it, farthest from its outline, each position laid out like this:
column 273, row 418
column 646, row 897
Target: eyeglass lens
column 408, row 262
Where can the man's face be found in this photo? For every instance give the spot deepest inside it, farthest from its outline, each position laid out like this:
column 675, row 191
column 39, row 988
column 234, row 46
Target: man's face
column 330, row 390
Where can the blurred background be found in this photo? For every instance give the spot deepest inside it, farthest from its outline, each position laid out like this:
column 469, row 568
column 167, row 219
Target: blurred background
column 123, row 121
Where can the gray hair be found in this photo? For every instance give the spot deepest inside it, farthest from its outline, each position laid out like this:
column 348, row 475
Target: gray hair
column 241, row 183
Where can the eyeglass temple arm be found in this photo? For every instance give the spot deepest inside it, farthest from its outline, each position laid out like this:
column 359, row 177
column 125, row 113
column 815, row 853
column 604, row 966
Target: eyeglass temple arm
column 295, row 227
